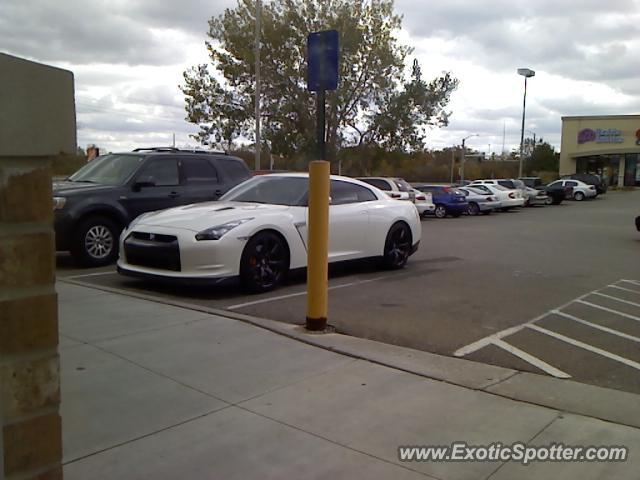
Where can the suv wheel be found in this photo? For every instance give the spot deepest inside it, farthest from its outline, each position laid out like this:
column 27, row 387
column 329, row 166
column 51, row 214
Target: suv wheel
column 579, row 196
column 95, row 242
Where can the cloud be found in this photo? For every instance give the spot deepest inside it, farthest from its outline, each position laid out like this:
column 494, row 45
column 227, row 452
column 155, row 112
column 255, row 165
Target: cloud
column 128, row 57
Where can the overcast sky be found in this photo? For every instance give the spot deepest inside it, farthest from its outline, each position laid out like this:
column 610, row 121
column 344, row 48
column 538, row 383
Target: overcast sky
column 128, row 57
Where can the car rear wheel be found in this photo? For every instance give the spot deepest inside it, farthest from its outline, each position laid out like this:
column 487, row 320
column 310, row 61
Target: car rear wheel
column 579, row 196
column 95, row 242
column 440, row 211
column 548, row 200
column 397, row 247
column 473, row 209
column 264, row 262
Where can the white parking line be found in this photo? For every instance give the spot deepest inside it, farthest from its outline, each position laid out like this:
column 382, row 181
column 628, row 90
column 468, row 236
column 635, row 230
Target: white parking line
column 297, row 294
column 625, row 289
column 586, row 346
column 610, row 310
column 617, row 299
column 599, row 327
column 488, row 340
column 536, row 362
column 95, row 274
column 633, row 282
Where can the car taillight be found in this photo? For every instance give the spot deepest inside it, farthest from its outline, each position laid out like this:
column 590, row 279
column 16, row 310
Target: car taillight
column 421, row 198
column 512, row 195
column 591, row 187
column 446, row 189
column 489, row 199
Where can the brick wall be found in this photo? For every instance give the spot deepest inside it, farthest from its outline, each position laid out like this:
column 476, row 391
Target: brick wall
column 29, row 365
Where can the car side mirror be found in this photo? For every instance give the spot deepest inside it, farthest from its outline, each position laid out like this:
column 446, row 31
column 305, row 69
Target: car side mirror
column 144, row 181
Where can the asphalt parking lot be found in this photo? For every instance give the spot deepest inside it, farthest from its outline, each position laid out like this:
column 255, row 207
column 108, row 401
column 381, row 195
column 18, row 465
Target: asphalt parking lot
column 552, row 290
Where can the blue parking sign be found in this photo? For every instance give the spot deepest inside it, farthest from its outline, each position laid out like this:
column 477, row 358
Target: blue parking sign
column 322, row 51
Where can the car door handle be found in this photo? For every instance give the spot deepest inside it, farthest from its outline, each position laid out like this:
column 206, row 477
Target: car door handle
column 217, row 193
column 174, row 195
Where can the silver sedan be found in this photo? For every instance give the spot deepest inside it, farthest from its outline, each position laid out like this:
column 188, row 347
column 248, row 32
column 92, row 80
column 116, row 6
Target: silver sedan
column 480, row 201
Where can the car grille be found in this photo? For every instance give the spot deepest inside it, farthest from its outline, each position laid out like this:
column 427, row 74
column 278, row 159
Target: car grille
column 152, row 250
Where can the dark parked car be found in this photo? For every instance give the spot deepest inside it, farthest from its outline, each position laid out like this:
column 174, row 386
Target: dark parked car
column 555, row 193
column 96, row 203
column 448, row 200
column 590, row 179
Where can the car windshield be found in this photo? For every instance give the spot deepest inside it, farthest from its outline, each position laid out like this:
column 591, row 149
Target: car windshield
column 108, row 170
column 275, row 190
column 402, row 185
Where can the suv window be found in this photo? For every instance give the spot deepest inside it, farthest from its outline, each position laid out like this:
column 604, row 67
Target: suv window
column 235, row 169
column 344, row 192
column 377, row 182
column 198, row 171
column 163, row 171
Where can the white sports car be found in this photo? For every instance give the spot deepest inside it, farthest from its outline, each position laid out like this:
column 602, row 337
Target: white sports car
column 258, row 231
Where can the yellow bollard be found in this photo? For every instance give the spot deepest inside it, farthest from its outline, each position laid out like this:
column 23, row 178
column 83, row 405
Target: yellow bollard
column 318, row 245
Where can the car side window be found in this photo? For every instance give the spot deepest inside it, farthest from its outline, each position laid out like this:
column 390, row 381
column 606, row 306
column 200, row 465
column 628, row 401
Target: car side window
column 235, row 169
column 555, row 184
column 162, row 172
column 379, row 183
column 571, row 184
column 344, row 192
column 198, row 171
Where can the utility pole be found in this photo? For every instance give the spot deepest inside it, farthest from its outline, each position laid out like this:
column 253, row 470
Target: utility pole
column 174, row 140
column 257, row 99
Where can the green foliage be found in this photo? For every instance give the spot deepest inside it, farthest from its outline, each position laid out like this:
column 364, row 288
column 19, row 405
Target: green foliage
column 543, row 158
column 374, row 106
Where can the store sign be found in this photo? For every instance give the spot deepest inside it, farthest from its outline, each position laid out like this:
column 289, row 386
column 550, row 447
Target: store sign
column 600, row 135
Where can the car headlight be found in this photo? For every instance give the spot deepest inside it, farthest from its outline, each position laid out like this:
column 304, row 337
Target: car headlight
column 216, row 233
column 59, row 202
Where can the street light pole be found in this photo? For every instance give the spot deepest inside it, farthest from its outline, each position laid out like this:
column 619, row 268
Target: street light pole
column 463, row 155
column 257, row 99
column 526, row 73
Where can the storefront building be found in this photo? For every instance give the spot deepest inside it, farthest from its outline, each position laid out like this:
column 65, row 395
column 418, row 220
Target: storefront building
column 608, row 146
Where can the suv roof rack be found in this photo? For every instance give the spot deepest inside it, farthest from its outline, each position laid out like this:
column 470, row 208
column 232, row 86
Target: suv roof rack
column 174, row 149
column 155, row 149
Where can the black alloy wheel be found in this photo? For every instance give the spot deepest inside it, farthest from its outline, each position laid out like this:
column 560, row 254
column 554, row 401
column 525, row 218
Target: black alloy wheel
column 397, row 247
column 264, row 262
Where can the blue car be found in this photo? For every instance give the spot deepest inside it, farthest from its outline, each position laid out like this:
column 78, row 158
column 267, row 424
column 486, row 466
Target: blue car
column 448, row 200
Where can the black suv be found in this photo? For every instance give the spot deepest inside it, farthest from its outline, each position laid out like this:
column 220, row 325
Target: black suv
column 96, row 203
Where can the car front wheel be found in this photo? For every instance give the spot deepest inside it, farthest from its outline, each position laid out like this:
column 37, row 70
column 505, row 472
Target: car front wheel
column 95, row 242
column 264, row 262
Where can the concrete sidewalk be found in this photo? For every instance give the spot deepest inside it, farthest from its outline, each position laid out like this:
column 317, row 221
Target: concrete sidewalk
column 151, row 390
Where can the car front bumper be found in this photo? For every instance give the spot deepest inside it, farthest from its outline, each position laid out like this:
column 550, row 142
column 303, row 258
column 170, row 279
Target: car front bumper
column 184, row 258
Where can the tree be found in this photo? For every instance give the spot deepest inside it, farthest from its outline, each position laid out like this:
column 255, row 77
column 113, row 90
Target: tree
column 375, row 105
column 543, row 159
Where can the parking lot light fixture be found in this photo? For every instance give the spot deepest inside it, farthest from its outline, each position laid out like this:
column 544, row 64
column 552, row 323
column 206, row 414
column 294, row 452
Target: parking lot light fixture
column 526, row 73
